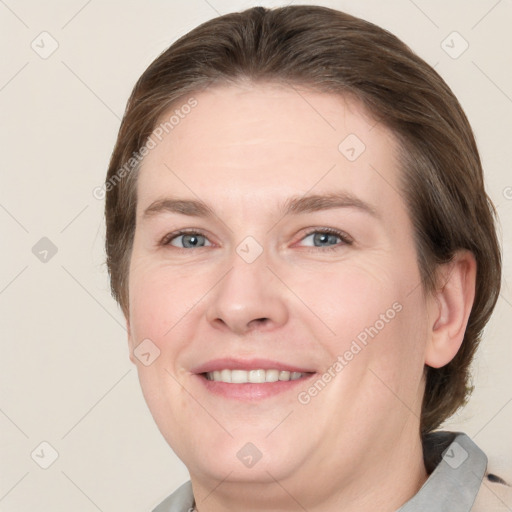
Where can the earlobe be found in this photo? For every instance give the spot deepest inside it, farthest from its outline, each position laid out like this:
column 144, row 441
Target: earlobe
column 450, row 307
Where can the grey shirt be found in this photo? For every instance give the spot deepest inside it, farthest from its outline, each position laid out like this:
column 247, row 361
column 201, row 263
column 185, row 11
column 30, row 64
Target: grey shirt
column 455, row 463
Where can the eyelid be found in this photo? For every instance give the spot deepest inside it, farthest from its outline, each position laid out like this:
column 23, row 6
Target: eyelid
column 346, row 239
column 166, row 240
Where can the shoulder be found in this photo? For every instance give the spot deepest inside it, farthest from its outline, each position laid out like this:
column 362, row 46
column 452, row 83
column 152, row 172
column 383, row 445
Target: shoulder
column 181, row 500
column 486, row 478
column 495, row 493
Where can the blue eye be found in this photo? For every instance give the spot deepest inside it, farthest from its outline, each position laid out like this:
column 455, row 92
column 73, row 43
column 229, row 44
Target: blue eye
column 327, row 238
column 185, row 240
column 319, row 238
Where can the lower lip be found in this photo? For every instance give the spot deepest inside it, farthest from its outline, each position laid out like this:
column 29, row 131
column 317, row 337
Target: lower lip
column 251, row 392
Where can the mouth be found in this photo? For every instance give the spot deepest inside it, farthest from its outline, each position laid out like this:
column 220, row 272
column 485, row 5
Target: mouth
column 250, row 379
column 258, row 376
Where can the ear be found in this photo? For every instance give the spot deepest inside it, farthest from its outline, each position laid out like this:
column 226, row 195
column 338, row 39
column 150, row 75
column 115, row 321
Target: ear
column 450, row 308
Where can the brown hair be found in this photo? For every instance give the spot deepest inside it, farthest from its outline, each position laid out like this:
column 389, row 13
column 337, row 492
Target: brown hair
column 329, row 51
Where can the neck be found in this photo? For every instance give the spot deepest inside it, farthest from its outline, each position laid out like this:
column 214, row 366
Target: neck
column 383, row 479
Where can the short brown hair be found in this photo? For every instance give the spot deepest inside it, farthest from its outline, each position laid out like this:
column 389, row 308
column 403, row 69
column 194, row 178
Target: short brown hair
column 330, row 51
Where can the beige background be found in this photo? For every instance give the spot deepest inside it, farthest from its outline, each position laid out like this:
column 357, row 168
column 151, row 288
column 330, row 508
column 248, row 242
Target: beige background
column 65, row 377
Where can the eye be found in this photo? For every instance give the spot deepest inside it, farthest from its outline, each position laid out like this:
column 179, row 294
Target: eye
column 186, row 240
column 327, row 238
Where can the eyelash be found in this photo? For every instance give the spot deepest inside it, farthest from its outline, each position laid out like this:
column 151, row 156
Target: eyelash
column 345, row 239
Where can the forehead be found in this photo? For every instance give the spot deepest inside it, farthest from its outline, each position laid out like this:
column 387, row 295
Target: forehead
column 257, row 142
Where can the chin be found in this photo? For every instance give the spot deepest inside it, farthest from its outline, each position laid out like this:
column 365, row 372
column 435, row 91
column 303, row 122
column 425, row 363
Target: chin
column 245, row 457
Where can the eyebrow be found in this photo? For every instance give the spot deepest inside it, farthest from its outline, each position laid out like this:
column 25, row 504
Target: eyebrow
column 295, row 205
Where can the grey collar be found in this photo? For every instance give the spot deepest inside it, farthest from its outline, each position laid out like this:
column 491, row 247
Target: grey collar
column 451, row 487
column 456, row 480
column 181, row 500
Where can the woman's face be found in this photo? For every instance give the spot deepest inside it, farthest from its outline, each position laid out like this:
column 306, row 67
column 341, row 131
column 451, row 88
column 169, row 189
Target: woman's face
column 297, row 256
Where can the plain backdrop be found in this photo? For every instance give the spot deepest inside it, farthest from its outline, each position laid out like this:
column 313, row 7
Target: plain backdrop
column 66, row 71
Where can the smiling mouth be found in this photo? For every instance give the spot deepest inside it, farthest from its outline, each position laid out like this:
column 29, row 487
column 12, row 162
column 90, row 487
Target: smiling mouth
column 259, row 376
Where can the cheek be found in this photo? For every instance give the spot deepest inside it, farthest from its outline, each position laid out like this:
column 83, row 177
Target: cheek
column 376, row 358
column 350, row 299
column 159, row 299
column 159, row 311
column 375, row 315
column 392, row 356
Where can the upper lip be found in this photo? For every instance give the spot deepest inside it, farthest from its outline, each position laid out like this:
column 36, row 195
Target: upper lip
column 247, row 364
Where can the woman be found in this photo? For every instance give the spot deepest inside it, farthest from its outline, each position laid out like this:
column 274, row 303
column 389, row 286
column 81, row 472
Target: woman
column 300, row 240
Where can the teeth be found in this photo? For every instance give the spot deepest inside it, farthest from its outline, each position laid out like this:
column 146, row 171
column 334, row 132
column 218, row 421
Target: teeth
column 257, row 376
column 237, row 376
column 252, row 376
column 225, row 376
column 271, row 375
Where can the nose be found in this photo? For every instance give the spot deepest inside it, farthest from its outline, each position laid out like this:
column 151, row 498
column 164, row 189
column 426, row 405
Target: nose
column 248, row 298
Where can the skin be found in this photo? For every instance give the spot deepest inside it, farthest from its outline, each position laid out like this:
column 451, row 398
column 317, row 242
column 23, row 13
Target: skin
column 244, row 150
